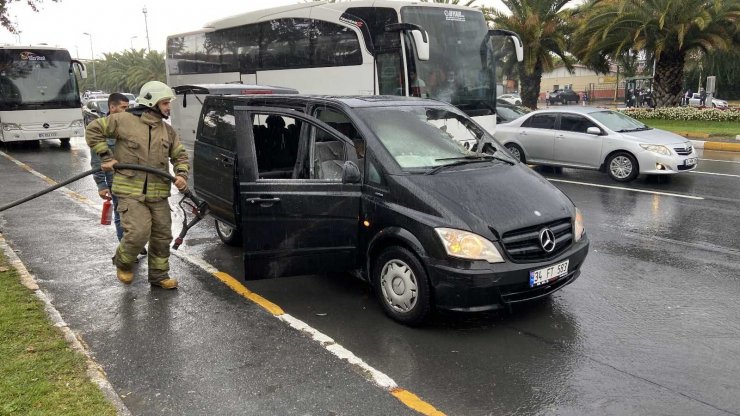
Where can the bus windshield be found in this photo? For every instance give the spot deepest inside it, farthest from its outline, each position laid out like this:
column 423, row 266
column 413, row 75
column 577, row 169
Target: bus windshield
column 33, row 79
column 455, row 72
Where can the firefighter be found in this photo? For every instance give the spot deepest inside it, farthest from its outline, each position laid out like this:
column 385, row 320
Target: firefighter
column 143, row 138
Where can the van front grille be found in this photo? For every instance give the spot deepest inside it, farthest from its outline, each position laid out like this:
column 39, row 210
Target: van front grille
column 524, row 245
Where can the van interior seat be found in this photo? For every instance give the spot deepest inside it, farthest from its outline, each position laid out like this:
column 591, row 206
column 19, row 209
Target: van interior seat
column 329, row 160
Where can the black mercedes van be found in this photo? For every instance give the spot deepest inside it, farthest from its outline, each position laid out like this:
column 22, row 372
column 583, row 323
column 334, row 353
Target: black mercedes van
column 387, row 187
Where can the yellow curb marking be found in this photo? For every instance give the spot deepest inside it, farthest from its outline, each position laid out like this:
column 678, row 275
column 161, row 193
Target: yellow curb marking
column 414, row 402
column 731, row 147
column 243, row 291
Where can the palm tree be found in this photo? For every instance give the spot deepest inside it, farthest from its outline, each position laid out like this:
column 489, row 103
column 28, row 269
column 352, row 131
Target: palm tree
column 543, row 26
column 666, row 31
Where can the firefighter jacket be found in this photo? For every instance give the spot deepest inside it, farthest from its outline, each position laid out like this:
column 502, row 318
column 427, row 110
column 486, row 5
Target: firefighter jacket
column 142, row 138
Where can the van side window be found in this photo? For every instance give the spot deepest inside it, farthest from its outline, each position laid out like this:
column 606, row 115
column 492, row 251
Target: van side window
column 219, row 126
column 572, row 122
column 276, row 141
column 540, row 121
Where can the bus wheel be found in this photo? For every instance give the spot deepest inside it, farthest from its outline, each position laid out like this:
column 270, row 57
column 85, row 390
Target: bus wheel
column 401, row 285
column 229, row 235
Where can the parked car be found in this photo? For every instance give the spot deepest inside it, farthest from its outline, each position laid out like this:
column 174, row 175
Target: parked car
column 599, row 139
column 511, row 99
column 695, row 101
column 372, row 185
column 131, row 99
column 563, row 96
column 94, row 109
column 506, row 113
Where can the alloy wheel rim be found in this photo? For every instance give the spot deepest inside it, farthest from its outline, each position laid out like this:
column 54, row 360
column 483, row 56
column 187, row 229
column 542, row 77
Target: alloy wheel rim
column 399, row 286
column 225, row 230
column 621, row 167
column 515, row 152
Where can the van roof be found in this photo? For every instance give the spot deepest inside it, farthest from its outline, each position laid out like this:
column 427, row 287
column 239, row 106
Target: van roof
column 352, row 101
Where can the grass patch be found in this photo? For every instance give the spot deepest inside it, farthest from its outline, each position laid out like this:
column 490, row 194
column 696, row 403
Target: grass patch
column 713, row 128
column 39, row 373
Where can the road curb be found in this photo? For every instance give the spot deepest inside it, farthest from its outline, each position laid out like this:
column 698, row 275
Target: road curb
column 710, row 145
column 94, row 371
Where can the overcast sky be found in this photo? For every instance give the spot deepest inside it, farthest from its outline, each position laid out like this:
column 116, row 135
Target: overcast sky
column 119, row 24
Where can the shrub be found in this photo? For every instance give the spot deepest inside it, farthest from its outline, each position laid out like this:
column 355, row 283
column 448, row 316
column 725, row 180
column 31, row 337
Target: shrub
column 683, row 113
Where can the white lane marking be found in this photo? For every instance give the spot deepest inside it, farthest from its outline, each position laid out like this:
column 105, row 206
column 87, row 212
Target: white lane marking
column 717, row 174
column 627, row 189
column 378, row 378
column 723, row 161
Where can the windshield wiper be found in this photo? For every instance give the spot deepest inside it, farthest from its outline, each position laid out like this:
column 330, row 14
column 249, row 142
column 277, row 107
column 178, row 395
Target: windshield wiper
column 635, row 129
column 464, row 160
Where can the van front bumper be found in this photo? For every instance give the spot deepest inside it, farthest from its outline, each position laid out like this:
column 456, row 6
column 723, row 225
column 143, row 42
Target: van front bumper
column 465, row 287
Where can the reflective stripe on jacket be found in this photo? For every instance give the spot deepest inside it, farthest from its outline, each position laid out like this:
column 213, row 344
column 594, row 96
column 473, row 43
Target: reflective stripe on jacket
column 141, row 140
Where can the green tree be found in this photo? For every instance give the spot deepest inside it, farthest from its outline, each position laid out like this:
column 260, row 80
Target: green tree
column 544, row 26
column 5, row 18
column 127, row 71
column 666, row 31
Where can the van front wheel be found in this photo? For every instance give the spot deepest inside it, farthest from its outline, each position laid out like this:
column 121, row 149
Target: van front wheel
column 401, row 285
column 228, row 234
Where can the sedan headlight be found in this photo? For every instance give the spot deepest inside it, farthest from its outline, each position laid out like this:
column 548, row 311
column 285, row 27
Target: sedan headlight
column 11, row 126
column 76, row 123
column 656, row 148
column 466, row 245
column 578, row 227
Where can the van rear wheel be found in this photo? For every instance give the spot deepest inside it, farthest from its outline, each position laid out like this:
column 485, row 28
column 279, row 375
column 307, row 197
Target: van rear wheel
column 228, row 234
column 401, row 285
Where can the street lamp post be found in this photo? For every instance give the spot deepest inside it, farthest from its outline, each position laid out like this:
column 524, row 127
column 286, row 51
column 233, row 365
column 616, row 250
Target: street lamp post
column 146, row 26
column 92, row 56
column 132, row 41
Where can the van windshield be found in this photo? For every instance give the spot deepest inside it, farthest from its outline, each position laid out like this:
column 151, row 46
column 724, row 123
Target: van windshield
column 423, row 137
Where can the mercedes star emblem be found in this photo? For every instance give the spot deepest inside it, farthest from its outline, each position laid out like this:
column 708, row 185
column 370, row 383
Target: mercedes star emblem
column 547, row 240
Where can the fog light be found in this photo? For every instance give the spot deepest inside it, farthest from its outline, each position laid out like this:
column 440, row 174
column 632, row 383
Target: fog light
column 659, row 166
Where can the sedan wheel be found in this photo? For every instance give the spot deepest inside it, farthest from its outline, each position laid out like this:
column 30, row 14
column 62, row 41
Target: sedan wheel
column 622, row 167
column 401, row 285
column 515, row 151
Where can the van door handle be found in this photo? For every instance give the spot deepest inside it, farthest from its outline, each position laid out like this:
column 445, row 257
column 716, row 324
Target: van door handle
column 261, row 200
column 226, row 161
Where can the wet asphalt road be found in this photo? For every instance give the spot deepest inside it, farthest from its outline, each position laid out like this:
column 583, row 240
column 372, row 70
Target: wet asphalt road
column 650, row 327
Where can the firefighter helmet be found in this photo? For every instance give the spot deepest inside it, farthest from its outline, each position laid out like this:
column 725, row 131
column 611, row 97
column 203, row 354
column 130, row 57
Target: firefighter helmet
column 153, row 92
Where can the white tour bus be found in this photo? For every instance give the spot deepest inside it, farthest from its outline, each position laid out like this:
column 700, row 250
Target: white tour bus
column 39, row 97
column 367, row 47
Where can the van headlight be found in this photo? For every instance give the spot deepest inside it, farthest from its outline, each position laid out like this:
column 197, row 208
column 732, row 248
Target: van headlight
column 578, row 227
column 76, row 123
column 656, row 148
column 466, row 245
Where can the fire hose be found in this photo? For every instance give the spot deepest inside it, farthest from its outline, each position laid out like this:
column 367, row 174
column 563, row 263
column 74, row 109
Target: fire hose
column 198, row 208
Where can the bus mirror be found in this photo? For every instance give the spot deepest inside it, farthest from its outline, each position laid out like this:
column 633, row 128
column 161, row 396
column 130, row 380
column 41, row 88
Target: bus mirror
column 80, row 67
column 421, row 42
column 518, row 47
column 515, row 39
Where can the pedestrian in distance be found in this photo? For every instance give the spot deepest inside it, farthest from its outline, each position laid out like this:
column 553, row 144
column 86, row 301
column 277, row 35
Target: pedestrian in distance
column 702, row 97
column 142, row 137
column 104, row 180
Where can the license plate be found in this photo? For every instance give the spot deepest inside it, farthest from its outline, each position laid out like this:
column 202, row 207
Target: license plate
column 42, row 135
column 541, row 276
column 690, row 161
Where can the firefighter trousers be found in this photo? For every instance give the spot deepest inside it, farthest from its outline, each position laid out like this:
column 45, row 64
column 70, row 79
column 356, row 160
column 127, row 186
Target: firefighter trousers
column 144, row 221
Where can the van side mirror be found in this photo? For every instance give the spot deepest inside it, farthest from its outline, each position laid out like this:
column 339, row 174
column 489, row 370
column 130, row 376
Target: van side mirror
column 593, row 130
column 351, row 173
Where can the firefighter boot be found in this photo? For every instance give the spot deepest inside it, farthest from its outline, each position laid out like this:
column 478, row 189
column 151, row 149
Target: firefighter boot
column 167, row 283
column 124, row 276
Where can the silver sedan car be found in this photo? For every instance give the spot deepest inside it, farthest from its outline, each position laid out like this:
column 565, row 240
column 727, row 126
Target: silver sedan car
column 596, row 138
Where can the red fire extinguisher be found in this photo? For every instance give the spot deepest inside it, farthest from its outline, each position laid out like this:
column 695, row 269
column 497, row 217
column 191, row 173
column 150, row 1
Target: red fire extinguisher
column 107, row 214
